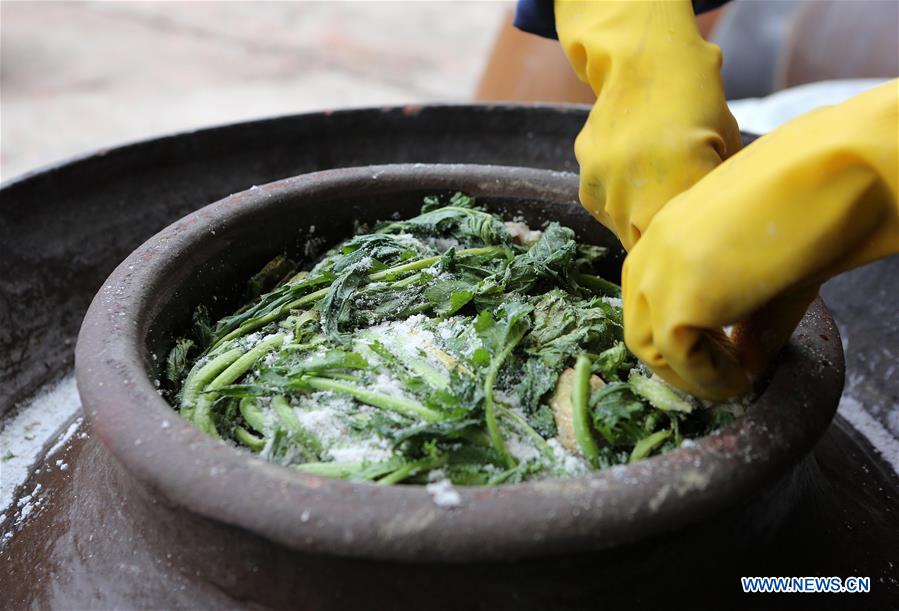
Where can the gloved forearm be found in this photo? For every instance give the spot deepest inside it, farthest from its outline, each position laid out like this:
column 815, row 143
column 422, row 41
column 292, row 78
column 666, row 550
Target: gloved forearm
column 660, row 121
column 755, row 238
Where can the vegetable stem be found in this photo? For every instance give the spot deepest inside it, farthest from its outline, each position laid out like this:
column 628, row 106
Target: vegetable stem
column 658, row 394
column 228, row 369
column 600, row 285
column 646, row 445
column 339, row 470
column 314, row 296
column 249, row 439
column 290, row 422
column 411, row 468
column 399, row 405
column 429, row 261
column 349, row 470
column 255, row 323
column 523, row 425
column 403, row 356
column 201, row 415
column 245, row 362
column 252, row 414
column 496, row 436
column 197, row 381
column 580, row 394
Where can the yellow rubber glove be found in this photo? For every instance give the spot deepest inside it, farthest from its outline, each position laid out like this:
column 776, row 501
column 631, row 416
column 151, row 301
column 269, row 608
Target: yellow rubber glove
column 754, row 240
column 660, row 122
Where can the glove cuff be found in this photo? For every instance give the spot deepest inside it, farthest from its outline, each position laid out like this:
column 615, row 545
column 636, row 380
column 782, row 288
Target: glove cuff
column 601, row 38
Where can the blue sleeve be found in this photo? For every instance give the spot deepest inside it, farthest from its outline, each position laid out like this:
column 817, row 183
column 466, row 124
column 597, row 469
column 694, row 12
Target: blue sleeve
column 536, row 16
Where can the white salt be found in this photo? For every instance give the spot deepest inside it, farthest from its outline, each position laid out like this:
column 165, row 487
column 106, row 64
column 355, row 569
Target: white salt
column 323, row 424
column 45, row 419
column 521, row 449
column 522, row 233
column 361, row 451
column 444, row 494
column 883, row 441
column 386, row 384
column 511, row 400
column 443, row 244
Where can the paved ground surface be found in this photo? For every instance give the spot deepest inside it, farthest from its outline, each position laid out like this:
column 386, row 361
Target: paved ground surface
column 79, row 76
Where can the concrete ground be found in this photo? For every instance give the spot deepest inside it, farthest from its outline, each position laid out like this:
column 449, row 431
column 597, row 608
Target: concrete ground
column 77, row 76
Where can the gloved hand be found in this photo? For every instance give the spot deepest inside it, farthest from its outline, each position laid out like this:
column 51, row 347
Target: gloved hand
column 660, row 122
column 754, row 240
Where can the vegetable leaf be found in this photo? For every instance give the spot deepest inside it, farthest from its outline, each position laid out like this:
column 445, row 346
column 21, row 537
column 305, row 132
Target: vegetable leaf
column 545, row 263
column 457, row 220
column 176, row 363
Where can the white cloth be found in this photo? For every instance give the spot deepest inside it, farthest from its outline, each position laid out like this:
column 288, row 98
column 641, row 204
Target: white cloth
column 761, row 115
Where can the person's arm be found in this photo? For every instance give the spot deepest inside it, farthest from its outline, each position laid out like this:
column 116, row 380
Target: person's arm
column 752, row 242
column 660, row 121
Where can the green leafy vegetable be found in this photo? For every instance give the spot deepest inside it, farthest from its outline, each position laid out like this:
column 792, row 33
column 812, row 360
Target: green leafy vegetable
column 275, row 272
column 647, row 444
column 619, row 415
column 580, row 411
column 498, row 339
column 612, row 361
column 658, row 394
column 432, row 347
column 546, row 263
column 459, row 220
column 176, row 363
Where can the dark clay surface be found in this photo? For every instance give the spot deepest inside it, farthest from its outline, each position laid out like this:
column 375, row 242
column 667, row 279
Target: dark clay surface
column 148, row 300
column 82, row 550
